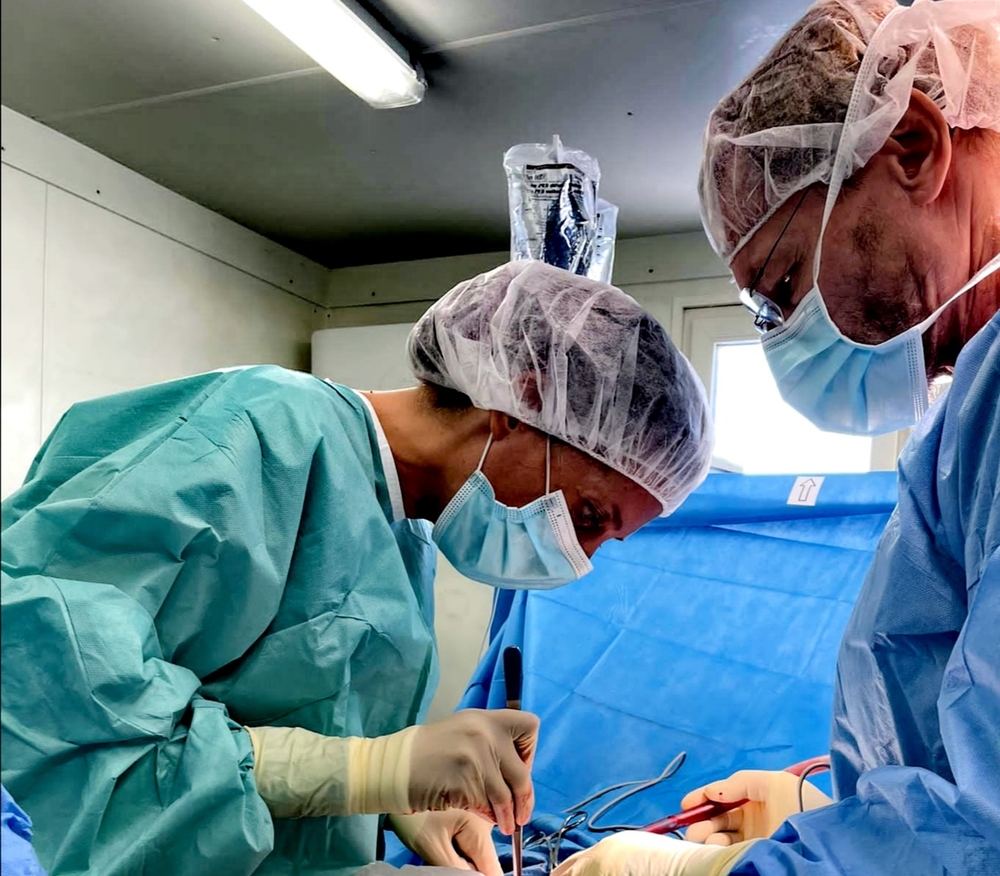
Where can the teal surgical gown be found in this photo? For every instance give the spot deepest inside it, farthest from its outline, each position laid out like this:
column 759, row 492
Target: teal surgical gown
column 916, row 730
column 184, row 560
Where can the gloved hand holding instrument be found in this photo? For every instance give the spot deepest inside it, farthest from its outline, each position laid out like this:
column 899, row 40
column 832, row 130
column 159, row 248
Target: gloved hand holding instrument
column 750, row 804
column 729, row 816
column 462, row 839
column 475, row 760
column 513, row 682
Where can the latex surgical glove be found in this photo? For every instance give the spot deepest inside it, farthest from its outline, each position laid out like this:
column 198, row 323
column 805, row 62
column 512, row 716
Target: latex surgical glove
column 773, row 797
column 453, row 838
column 479, row 761
column 475, row 760
column 636, row 853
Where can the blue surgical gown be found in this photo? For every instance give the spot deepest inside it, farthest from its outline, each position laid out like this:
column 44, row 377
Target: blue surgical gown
column 916, row 729
column 17, row 857
column 184, row 560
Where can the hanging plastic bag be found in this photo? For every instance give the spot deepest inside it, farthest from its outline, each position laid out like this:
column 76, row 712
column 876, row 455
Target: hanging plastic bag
column 553, row 204
column 603, row 261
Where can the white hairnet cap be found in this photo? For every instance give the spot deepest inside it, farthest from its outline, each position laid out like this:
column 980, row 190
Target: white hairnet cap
column 832, row 91
column 578, row 360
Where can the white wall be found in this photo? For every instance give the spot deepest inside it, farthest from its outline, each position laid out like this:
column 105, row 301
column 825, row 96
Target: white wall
column 110, row 281
column 665, row 274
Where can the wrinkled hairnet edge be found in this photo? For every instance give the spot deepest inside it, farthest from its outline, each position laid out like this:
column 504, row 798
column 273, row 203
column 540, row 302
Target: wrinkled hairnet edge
column 707, row 442
column 706, row 430
column 666, row 508
column 719, row 248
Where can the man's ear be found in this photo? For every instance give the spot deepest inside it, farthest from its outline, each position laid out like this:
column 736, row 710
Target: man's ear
column 918, row 150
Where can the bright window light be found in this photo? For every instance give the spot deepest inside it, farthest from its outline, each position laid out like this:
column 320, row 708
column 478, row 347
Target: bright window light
column 760, row 433
column 362, row 56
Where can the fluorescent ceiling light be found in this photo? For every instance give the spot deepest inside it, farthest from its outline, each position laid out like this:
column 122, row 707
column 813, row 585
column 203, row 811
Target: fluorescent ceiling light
column 349, row 44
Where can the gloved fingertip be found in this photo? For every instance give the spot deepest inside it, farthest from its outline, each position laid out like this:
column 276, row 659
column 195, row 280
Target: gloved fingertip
column 487, row 862
column 505, row 821
column 698, row 832
column 693, row 798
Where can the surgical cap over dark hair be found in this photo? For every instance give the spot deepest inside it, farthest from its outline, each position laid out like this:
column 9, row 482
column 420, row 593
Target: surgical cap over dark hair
column 580, row 361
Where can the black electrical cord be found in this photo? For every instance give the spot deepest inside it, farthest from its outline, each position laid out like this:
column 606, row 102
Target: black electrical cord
column 634, row 788
column 815, row 768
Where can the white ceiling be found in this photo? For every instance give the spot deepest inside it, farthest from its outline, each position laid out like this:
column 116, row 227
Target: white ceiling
column 204, row 97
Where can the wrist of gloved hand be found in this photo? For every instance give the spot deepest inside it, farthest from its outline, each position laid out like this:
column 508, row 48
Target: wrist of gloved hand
column 303, row 774
column 636, row 853
column 475, row 760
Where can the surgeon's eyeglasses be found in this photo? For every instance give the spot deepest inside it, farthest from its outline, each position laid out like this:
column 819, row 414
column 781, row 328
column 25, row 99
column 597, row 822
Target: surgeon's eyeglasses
column 766, row 314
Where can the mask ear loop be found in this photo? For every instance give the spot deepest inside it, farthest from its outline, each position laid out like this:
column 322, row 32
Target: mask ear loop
column 991, row 267
column 486, row 450
column 548, row 465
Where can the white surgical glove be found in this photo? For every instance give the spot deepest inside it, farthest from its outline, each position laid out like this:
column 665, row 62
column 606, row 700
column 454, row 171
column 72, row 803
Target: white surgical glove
column 453, row 838
column 773, row 797
column 475, row 760
column 636, row 853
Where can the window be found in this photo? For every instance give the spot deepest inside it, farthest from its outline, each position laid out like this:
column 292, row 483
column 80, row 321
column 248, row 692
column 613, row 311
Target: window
column 756, row 431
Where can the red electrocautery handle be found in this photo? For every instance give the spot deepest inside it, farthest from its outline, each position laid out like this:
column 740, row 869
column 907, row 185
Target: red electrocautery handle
column 710, row 810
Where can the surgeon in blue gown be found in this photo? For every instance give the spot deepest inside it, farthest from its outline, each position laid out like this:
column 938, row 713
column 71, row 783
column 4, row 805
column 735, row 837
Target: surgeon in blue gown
column 852, row 184
column 17, row 857
column 218, row 641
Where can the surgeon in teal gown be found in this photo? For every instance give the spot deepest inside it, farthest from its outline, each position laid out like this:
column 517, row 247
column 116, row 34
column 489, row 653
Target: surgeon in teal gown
column 244, row 549
column 173, row 553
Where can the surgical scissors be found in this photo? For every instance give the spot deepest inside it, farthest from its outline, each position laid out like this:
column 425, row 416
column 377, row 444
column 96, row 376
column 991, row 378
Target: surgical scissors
column 635, row 787
column 577, row 816
column 552, row 842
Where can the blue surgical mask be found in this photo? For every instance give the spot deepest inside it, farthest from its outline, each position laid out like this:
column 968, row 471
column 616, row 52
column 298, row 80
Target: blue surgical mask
column 529, row 548
column 840, row 384
column 845, row 386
